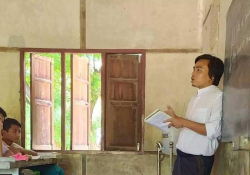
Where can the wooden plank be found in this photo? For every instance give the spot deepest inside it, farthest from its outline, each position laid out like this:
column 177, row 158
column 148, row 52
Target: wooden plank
column 20, row 164
column 82, row 81
column 174, row 50
column 83, row 24
column 103, row 98
column 22, row 97
column 124, row 80
column 142, row 95
column 42, row 103
column 123, row 119
column 52, row 108
column 81, row 103
column 71, row 101
column 71, row 51
column 63, row 102
column 32, row 99
column 9, row 49
column 42, row 80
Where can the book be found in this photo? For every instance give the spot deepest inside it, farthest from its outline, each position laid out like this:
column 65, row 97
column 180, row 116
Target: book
column 43, row 155
column 35, row 157
column 156, row 119
column 7, row 159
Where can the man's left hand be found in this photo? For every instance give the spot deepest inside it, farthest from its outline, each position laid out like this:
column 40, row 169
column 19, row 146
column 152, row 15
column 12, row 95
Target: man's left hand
column 175, row 121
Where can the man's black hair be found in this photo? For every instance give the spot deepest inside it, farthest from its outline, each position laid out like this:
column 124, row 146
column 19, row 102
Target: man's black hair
column 9, row 122
column 215, row 66
column 3, row 112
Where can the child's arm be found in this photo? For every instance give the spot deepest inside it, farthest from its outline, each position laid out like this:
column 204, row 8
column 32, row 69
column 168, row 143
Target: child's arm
column 25, row 151
column 8, row 154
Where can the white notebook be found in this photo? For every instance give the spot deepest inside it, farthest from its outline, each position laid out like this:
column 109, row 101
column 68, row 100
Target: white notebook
column 156, row 119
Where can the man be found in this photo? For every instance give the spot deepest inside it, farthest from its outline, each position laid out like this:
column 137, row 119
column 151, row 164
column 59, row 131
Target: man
column 202, row 125
column 11, row 135
column 5, row 150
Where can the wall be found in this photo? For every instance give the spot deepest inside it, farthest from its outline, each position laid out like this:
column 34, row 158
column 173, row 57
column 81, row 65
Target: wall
column 40, row 24
column 110, row 164
column 10, row 83
column 171, row 31
column 143, row 24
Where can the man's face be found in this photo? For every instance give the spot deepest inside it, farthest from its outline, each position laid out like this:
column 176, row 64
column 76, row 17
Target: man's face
column 13, row 134
column 200, row 77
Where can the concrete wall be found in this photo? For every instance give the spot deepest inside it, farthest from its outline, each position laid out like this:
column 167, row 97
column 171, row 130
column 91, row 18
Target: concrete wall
column 171, row 31
column 142, row 24
column 110, row 164
column 40, row 24
column 10, row 83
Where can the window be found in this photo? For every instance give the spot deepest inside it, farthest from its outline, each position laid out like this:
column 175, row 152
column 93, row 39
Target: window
column 82, row 99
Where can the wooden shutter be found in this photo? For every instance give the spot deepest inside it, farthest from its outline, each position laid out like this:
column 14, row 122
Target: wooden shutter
column 80, row 121
column 122, row 120
column 42, row 102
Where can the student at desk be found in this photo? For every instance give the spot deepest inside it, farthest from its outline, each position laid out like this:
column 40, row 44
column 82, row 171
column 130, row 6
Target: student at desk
column 5, row 150
column 11, row 135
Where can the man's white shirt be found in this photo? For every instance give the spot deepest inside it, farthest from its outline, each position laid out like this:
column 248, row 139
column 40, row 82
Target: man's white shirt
column 205, row 108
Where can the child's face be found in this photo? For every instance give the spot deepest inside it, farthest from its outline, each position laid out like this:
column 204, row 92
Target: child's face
column 13, row 134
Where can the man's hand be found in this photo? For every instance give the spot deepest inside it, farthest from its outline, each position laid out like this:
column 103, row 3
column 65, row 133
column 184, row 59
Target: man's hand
column 175, row 121
column 179, row 122
column 170, row 111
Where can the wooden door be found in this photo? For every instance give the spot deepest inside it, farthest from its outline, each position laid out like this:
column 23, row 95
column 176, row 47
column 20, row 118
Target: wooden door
column 80, row 121
column 42, row 120
column 123, row 103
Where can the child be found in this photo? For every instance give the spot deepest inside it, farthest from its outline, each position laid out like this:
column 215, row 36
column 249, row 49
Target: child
column 5, row 150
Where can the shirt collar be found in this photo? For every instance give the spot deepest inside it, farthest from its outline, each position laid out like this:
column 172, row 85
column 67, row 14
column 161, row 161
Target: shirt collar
column 204, row 90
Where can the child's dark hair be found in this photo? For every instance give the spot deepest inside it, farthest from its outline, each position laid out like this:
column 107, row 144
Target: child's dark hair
column 9, row 122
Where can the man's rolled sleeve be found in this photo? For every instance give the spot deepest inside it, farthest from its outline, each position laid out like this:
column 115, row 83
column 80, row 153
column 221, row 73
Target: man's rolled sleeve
column 213, row 126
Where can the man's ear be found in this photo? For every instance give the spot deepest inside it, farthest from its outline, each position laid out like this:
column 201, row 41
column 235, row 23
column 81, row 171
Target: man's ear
column 4, row 132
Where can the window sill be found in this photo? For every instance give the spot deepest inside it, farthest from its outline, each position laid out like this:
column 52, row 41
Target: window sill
column 93, row 152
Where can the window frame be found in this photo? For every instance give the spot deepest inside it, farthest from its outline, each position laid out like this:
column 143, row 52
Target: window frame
column 103, row 53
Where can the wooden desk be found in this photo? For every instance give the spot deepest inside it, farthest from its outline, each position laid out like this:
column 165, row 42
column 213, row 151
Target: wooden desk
column 13, row 167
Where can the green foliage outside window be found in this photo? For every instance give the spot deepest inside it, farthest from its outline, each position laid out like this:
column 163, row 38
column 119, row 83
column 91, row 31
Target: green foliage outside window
column 95, row 94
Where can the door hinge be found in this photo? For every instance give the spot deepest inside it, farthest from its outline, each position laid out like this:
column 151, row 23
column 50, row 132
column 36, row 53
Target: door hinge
column 139, row 59
column 138, row 147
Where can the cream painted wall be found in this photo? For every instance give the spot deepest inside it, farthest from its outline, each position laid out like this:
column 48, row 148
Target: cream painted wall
column 218, row 48
column 167, row 82
column 40, row 23
column 10, row 83
column 142, row 24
